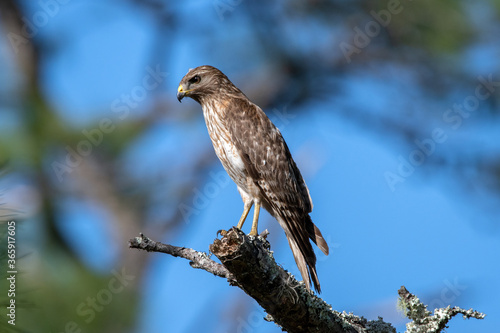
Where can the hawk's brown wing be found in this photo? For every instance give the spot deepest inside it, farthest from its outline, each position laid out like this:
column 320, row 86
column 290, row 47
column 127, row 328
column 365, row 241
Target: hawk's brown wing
column 269, row 163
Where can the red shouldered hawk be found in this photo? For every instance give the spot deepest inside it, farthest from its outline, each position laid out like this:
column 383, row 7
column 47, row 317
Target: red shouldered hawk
column 256, row 157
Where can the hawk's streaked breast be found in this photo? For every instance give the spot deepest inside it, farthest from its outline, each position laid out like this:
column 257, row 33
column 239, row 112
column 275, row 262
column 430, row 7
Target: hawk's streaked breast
column 224, row 148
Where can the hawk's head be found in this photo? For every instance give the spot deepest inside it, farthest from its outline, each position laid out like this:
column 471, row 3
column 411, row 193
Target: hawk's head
column 204, row 81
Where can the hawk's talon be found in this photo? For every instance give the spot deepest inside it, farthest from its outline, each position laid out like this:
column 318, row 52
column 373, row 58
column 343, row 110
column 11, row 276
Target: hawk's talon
column 264, row 234
column 221, row 232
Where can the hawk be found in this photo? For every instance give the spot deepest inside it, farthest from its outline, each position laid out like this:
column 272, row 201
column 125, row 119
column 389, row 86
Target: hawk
column 257, row 159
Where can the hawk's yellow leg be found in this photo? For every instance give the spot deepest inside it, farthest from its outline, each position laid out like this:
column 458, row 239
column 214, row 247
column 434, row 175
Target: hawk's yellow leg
column 256, row 212
column 243, row 217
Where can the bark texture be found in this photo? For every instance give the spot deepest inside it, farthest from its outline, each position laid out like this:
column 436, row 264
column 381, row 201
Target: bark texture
column 248, row 263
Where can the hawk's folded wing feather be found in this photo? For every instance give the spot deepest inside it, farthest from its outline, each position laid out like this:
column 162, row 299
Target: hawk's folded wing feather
column 269, row 163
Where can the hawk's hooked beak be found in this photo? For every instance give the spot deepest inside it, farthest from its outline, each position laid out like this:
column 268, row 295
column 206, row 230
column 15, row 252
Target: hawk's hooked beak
column 181, row 93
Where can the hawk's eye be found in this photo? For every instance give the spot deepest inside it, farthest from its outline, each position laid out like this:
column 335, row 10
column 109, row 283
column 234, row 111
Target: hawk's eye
column 195, row 79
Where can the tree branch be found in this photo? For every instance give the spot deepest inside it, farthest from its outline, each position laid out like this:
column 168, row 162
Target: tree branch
column 197, row 259
column 423, row 320
column 248, row 264
column 288, row 302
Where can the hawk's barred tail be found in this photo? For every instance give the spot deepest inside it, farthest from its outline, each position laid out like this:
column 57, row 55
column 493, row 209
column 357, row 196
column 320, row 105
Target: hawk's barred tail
column 300, row 260
column 302, row 249
column 317, row 237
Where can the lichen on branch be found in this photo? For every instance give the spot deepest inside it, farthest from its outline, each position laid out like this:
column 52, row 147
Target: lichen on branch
column 248, row 263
